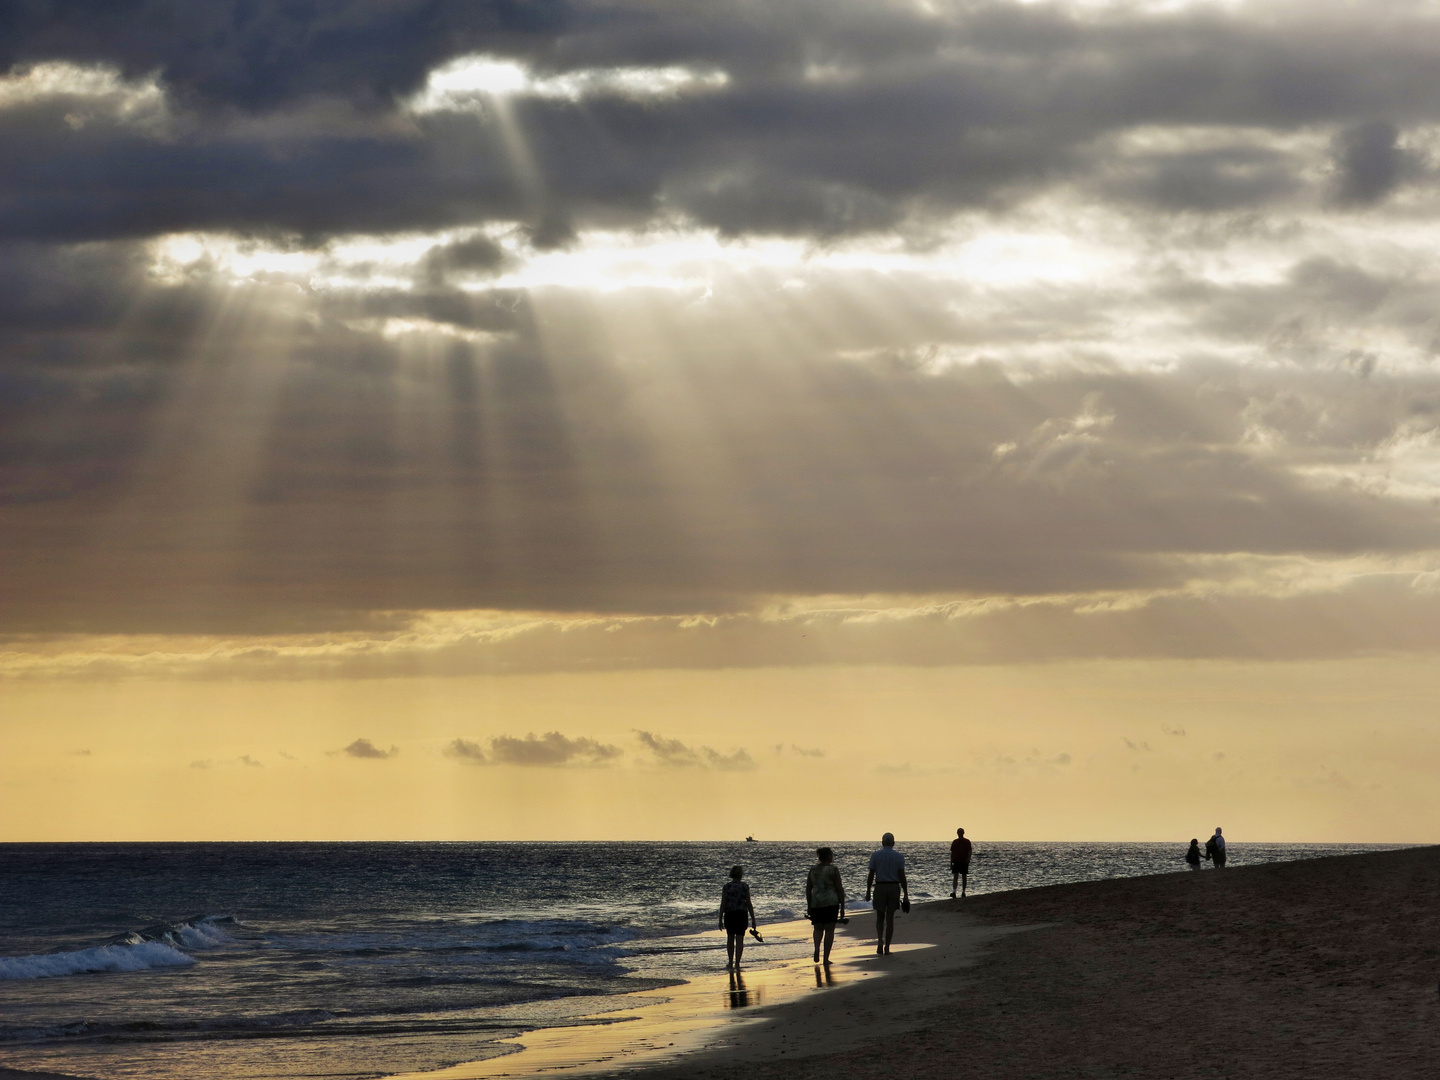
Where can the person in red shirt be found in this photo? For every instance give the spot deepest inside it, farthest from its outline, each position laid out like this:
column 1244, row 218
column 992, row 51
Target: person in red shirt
column 960, row 849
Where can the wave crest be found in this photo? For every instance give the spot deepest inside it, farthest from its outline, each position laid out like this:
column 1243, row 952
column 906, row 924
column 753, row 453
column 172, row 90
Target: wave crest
column 142, row 956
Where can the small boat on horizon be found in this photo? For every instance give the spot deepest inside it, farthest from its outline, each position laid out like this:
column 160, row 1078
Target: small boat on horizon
column 751, row 840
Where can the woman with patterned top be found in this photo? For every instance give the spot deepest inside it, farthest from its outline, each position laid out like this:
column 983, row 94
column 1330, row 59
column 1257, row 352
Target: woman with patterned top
column 735, row 911
column 824, row 895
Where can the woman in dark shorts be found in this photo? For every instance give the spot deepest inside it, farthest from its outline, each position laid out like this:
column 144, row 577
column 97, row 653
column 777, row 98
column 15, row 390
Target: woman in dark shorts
column 824, row 894
column 735, row 911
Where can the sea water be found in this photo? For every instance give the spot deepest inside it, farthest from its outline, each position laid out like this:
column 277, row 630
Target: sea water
column 353, row 960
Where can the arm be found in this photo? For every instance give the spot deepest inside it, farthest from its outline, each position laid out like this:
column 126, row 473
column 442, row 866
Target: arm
column 751, row 908
column 840, row 888
column 904, row 884
column 809, row 887
column 869, row 882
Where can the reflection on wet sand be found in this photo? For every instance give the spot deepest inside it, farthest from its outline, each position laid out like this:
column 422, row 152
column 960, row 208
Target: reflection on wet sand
column 649, row 1028
column 741, row 996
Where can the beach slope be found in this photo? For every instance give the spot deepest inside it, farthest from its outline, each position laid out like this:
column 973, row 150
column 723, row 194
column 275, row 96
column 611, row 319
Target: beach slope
column 1325, row 968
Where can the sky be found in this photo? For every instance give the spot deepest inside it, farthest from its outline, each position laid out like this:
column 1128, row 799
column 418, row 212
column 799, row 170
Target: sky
column 554, row 419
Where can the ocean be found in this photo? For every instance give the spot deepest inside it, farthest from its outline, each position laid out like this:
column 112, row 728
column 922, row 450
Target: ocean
column 345, row 960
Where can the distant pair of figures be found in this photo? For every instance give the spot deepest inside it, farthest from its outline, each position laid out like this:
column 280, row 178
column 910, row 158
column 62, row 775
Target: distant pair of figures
column 1214, row 851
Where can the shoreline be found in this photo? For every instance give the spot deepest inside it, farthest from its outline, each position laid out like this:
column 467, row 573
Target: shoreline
column 721, row 1012
column 784, row 1010
column 1320, row 969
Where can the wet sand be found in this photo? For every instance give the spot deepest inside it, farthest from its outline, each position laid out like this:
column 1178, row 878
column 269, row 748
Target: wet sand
column 753, row 1015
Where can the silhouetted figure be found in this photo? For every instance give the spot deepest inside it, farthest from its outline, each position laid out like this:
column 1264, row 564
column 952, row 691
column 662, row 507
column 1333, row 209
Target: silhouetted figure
column 960, row 850
column 824, row 895
column 1193, row 855
column 1215, row 849
column 736, row 911
column 887, row 882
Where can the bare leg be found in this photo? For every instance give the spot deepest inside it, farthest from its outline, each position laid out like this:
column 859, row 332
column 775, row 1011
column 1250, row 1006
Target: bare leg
column 879, row 930
column 818, row 934
column 964, row 881
column 954, row 880
column 729, row 951
column 739, row 948
column 889, row 928
column 829, row 940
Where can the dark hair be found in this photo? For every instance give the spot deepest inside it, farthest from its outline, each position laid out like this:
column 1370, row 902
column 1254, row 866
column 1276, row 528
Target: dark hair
column 737, row 872
column 824, row 853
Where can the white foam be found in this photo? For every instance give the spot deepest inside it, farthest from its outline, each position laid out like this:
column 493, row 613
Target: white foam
column 139, row 957
column 200, row 935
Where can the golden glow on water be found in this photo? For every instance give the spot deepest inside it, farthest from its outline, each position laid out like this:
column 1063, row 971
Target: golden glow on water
column 660, row 1026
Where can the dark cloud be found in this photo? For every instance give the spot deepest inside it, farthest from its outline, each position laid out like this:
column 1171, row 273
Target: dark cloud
column 364, row 748
column 550, row 749
column 1369, row 162
column 465, row 750
column 1207, row 180
column 837, row 117
column 673, row 752
column 261, row 56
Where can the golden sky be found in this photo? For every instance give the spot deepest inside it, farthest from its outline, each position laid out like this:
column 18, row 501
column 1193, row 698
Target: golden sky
column 604, row 420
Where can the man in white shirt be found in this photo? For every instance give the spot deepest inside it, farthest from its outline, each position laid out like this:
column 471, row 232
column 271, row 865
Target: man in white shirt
column 887, row 882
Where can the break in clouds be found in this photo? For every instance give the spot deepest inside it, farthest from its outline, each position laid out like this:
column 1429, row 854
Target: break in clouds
column 512, row 336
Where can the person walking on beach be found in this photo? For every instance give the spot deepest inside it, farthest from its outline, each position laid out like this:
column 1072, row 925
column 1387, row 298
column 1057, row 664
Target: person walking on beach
column 887, row 882
column 1215, row 849
column 960, row 850
column 735, row 911
column 1193, row 855
column 824, row 895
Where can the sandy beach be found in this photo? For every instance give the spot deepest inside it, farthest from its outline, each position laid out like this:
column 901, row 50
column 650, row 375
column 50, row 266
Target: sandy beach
column 1315, row 969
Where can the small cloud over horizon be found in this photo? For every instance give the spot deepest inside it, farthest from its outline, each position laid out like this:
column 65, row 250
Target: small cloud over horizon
column 673, row 752
column 550, row 749
column 364, row 748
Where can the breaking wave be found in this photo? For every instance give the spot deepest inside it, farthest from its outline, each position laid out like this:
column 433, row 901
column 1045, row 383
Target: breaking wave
column 165, row 945
column 142, row 956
